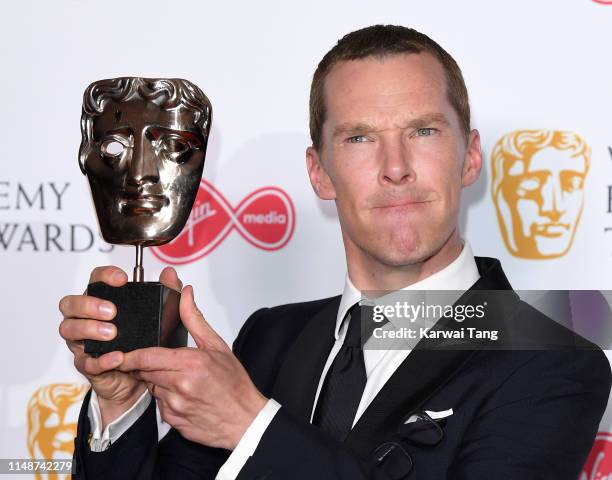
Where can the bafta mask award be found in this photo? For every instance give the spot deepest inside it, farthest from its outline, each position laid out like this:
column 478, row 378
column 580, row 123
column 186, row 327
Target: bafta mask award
column 142, row 149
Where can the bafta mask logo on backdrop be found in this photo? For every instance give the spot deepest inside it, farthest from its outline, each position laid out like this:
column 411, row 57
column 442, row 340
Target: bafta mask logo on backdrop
column 537, row 186
column 265, row 218
column 599, row 463
column 52, row 422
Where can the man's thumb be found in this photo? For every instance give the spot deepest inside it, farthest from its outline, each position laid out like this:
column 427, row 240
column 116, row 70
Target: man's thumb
column 193, row 319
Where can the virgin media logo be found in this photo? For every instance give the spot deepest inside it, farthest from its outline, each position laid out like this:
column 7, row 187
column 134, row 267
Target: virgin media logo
column 603, row 2
column 599, row 464
column 265, row 218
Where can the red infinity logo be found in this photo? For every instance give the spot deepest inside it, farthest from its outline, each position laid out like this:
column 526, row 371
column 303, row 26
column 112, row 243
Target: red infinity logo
column 265, row 218
column 599, row 463
column 604, row 2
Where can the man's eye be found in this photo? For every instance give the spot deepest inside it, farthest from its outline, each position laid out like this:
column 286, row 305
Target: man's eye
column 356, row 139
column 425, row 132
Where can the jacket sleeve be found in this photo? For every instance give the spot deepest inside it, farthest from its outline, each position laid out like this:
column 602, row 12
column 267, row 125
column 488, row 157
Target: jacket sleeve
column 138, row 455
column 297, row 450
column 541, row 422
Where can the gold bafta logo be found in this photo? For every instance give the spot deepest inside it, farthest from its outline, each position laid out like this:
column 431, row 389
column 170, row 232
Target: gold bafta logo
column 538, row 190
column 52, row 415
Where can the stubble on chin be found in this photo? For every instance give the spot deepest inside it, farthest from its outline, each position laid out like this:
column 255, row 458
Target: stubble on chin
column 395, row 249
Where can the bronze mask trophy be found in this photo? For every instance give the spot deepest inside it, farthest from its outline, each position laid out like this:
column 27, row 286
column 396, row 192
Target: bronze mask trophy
column 142, row 149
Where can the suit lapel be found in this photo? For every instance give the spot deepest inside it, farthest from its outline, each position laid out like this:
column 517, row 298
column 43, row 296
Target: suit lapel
column 420, row 375
column 296, row 384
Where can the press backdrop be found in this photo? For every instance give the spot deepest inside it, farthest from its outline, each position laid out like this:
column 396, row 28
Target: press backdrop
column 259, row 236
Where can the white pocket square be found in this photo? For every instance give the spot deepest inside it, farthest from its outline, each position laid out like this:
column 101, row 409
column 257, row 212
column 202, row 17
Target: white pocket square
column 433, row 414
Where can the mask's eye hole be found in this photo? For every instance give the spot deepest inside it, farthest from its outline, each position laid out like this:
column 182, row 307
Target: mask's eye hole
column 175, row 147
column 112, row 148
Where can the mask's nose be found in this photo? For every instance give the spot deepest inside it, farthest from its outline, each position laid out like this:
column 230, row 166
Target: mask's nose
column 143, row 163
column 552, row 200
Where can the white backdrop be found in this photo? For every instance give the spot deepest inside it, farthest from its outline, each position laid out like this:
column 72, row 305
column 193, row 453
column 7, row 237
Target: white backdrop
column 528, row 65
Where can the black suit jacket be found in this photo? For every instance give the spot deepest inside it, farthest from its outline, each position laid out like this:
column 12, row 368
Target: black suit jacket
column 526, row 414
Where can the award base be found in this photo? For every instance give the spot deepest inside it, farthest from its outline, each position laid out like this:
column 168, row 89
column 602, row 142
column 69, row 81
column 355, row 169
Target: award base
column 147, row 316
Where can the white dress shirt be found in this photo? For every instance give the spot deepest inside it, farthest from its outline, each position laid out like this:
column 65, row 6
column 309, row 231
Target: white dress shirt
column 459, row 275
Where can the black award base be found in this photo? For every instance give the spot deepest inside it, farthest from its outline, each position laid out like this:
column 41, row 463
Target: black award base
column 147, row 316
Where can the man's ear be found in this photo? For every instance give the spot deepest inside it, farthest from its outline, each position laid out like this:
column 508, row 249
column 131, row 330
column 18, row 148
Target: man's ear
column 472, row 164
column 319, row 179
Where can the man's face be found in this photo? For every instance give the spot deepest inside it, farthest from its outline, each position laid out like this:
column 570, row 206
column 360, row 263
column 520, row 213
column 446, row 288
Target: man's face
column 393, row 157
column 144, row 170
column 545, row 198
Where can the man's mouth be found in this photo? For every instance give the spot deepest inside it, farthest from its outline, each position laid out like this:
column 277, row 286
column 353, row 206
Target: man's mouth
column 399, row 205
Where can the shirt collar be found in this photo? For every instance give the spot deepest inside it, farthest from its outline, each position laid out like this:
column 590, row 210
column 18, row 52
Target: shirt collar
column 460, row 274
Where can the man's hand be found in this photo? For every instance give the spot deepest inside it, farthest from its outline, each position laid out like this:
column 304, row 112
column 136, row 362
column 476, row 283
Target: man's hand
column 204, row 392
column 87, row 317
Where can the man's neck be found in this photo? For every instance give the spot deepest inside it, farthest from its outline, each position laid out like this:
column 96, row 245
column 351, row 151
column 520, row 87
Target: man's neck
column 369, row 273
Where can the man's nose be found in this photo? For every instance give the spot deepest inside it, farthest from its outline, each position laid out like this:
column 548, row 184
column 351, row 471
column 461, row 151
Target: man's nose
column 552, row 199
column 397, row 162
column 143, row 166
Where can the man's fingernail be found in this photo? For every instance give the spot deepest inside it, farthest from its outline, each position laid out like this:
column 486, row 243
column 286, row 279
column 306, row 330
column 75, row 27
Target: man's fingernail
column 114, row 358
column 106, row 309
column 118, row 275
column 107, row 330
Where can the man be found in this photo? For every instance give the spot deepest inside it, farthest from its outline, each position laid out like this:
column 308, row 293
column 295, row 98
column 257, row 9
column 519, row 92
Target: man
column 298, row 397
